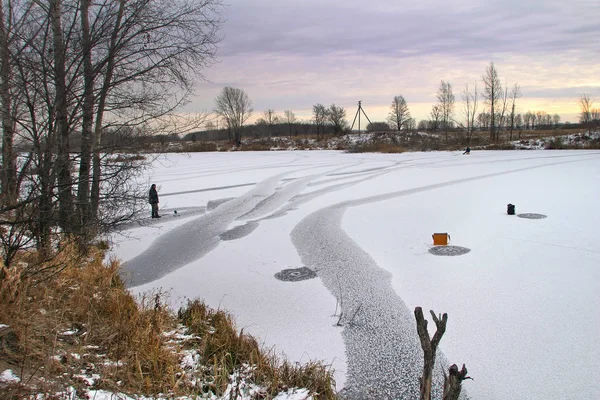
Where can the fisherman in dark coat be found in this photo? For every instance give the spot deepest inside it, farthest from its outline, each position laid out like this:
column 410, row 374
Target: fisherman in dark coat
column 153, row 200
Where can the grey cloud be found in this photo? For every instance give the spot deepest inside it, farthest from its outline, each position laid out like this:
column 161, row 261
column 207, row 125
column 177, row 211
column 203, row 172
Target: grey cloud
column 299, row 28
column 563, row 92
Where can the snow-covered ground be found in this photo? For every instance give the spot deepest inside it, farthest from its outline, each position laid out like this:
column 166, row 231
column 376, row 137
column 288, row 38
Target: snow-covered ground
column 523, row 304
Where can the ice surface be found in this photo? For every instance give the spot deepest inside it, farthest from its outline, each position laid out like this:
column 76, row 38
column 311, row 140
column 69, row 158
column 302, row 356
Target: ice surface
column 523, row 304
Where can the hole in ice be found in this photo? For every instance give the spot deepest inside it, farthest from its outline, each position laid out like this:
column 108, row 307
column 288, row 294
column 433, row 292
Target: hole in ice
column 295, row 274
column 532, row 216
column 449, row 250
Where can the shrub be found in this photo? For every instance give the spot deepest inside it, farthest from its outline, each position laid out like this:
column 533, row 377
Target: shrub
column 555, row 144
column 500, row 146
column 198, row 147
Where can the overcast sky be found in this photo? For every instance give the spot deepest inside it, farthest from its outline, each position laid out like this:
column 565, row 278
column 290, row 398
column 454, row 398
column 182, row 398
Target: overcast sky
column 292, row 54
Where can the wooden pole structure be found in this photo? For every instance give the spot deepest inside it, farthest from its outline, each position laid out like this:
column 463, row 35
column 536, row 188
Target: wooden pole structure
column 358, row 111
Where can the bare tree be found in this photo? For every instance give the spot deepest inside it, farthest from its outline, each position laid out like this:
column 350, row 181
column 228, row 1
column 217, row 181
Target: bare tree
column 492, row 94
column 446, row 100
column 65, row 194
column 337, row 117
column 320, row 118
column 483, row 121
column 519, row 123
column 235, row 107
column 501, row 115
column 290, row 120
column 435, row 117
column 515, row 94
column 423, row 125
column 585, row 107
column 555, row 120
column 595, row 114
column 470, row 100
column 399, row 113
column 269, row 118
column 8, row 188
column 71, row 64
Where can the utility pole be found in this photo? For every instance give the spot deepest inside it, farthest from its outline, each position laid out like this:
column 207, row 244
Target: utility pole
column 358, row 115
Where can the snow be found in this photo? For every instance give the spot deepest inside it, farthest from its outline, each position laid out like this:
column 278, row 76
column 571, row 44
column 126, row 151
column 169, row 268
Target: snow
column 9, row 376
column 522, row 304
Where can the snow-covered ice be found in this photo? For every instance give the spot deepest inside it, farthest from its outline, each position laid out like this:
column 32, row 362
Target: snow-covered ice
column 522, row 304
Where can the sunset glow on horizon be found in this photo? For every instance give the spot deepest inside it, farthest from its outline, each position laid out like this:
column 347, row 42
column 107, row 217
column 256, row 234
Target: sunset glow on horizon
column 292, row 55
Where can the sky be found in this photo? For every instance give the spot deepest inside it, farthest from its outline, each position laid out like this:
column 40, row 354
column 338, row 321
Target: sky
column 524, row 300
column 292, row 54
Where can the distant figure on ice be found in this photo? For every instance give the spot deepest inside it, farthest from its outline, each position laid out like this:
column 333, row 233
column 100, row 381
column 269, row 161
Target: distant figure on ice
column 153, row 200
column 468, row 150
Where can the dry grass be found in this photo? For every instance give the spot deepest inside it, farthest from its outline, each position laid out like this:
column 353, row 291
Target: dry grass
column 81, row 320
column 226, row 351
column 198, row 147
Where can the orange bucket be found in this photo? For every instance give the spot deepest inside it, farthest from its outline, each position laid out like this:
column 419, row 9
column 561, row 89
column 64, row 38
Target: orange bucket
column 440, row 239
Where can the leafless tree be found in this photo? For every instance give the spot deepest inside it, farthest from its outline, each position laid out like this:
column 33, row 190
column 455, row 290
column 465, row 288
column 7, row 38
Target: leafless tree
column 446, row 101
column 423, row 125
column 8, row 189
column 515, row 94
column 483, row 121
column 492, row 94
column 595, row 115
column 435, row 117
column 519, row 123
column 470, row 101
column 79, row 71
column 270, row 119
column 502, row 113
column 290, row 119
column 399, row 113
column 235, row 107
column 320, row 118
column 337, row 117
column 585, row 107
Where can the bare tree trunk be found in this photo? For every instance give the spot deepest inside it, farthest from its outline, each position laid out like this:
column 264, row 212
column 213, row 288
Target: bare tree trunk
column 453, row 382
column 97, row 170
column 9, row 158
column 429, row 348
column 65, row 196
column 83, row 187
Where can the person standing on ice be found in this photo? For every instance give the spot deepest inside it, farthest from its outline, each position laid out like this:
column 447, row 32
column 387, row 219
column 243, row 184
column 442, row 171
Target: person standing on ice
column 153, row 200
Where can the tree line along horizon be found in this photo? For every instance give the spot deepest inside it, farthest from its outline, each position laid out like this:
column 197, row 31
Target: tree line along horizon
column 233, row 108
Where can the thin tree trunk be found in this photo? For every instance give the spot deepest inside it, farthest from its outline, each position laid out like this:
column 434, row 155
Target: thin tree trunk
column 65, row 195
column 97, row 170
column 83, row 187
column 9, row 158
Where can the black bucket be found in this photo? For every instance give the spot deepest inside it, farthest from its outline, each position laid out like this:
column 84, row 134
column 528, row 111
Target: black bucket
column 510, row 209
